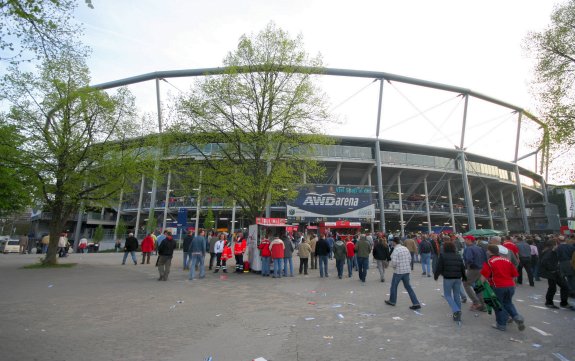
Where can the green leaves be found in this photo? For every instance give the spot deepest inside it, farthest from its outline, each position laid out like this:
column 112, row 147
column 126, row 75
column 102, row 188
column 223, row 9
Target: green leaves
column 261, row 117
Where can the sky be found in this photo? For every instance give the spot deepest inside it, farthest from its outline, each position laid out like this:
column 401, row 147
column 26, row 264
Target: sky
column 474, row 45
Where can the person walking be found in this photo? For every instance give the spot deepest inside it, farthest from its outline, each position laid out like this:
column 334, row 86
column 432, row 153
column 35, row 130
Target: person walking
column 212, row 241
column 219, row 249
column 265, row 254
column 425, row 250
column 322, row 252
column 340, row 253
column 412, row 247
column 382, row 256
column 165, row 254
column 83, row 245
column 62, row 245
column 45, row 243
column 304, row 251
column 277, row 251
column 499, row 271
column 549, row 269
column 363, row 249
column 312, row 243
column 147, row 248
column 401, row 264
column 288, row 254
column 451, row 267
column 473, row 257
column 186, row 249
column 197, row 254
column 350, row 255
column 524, row 261
column 130, row 247
column 23, row 243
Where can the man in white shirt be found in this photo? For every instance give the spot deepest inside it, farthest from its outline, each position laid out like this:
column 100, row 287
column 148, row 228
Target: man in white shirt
column 401, row 263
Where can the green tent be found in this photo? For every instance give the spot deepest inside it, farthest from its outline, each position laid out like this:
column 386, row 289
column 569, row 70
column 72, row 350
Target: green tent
column 484, row 233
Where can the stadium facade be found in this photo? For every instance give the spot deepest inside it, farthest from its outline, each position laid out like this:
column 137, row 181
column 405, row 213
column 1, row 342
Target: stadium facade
column 410, row 186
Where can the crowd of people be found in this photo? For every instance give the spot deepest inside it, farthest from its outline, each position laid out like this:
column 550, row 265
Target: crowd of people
column 484, row 270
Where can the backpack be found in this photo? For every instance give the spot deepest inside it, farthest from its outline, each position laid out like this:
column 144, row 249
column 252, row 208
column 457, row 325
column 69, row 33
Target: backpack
column 425, row 246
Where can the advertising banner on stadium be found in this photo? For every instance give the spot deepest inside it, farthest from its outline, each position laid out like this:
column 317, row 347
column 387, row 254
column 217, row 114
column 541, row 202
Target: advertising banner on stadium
column 570, row 205
column 325, row 202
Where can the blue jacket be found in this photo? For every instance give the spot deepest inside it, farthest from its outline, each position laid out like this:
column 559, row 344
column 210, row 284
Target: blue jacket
column 474, row 257
column 198, row 245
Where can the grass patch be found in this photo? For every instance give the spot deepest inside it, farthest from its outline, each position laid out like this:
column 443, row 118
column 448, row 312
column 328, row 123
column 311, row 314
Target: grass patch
column 43, row 266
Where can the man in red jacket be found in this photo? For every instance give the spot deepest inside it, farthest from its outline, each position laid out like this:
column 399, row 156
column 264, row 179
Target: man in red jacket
column 350, row 250
column 499, row 271
column 265, row 253
column 277, row 250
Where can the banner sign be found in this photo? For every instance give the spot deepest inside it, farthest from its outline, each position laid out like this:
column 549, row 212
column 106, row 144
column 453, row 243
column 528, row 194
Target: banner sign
column 570, row 205
column 182, row 217
column 281, row 222
column 316, row 202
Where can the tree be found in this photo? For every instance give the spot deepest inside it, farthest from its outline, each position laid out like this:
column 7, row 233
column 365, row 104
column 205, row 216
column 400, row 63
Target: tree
column 210, row 220
column 14, row 189
column 554, row 83
column 98, row 234
column 77, row 143
column 37, row 28
column 253, row 128
column 121, row 229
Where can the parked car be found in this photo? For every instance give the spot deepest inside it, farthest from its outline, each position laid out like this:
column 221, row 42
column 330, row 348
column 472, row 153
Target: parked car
column 10, row 246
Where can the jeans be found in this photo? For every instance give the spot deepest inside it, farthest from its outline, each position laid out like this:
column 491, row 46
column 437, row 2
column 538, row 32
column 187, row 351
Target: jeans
column 381, row 269
column 452, row 291
column 426, row 263
column 303, row 265
column 505, row 296
column 535, row 267
column 44, row 248
column 349, row 266
column 133, row 253
column 412, row 259
column 278, row 267
column 288, row 260
column 339, row 266
column 323, row 266
column 187, row 259
column 197, row 258
column 265, row 266
column 404, row 277
column 362, row 266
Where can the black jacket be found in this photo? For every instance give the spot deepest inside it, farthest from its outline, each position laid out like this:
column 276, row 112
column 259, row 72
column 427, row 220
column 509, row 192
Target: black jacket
column 187, row 242
column 549, row 264
column 167, row 247
column 451, row 266
column 381, row 252
column 131, row 244
column 322, row 247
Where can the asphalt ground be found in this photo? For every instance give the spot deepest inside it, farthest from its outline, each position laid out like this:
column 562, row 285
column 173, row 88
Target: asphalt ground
column 101, row 310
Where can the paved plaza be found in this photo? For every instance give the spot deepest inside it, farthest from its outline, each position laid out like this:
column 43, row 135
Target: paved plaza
column 101, row 310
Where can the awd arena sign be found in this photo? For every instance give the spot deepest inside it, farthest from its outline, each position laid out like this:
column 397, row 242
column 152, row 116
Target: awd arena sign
column 332, row 202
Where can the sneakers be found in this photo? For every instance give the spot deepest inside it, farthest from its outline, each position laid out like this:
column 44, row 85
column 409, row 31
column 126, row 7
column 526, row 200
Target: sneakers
column 550, row 305
column 464, row 300
column 457, row 316
column 520, row 322
column 567, row 307
column 423, row 274
column 387, row 302
column 415, row 307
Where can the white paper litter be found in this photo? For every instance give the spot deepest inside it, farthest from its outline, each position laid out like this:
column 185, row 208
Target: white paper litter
column 397, row 318
column 309, row 318
column 340, row 316
column 559, row 356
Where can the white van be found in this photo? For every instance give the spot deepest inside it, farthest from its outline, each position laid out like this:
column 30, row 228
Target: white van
column 10, row 246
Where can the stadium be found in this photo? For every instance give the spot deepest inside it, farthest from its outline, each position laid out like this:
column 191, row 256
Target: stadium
column 396, row 186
